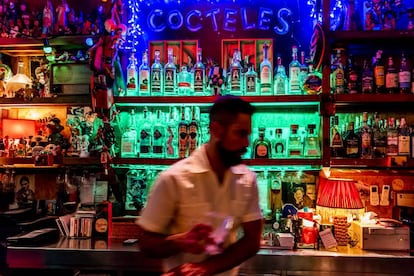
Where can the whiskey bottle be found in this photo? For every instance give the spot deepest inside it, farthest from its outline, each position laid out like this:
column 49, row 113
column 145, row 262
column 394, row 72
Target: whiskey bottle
column 129, row 138
column 157, row 76
column 379, row 140
column 183, row 132
column 351, row 142
column 336, row 145
column 311, row 147
column 199, row 71
column 404, row 76
column 313, row 82
column 262, row 145
column 144, row 76
column 403, row 138
column 379, row 73
column 367, row 78
column 266, row 73
column 172, row 134
column 391, row 77
column 294, row 70
column 338, row 74
column 392, row 138
column 235, row 75
column 193, row 131
column 170, row 74
column 158, row 136
column 145, row 135
column 184, row 82
column 295, row 148
column 366, row 137
column 250, row 81
column 281, row 81
column 132, row 76
column 279, row 145
column 353, row 78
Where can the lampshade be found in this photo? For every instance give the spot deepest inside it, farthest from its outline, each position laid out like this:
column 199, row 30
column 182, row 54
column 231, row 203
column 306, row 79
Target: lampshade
column 338, row 196
column 15, row 128
column 18, row 81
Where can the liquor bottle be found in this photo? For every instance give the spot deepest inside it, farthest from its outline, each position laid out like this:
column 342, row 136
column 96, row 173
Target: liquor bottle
column 193, row 131
column 367, row 78
column 158, row 135
column 157, row 76
column 294, row 69
column 403, row 138
column 266, row 73
column 251, row 81
column 353, row 79
column 404, row 75
column 336, row 145
column 412, row 79
column 379, row 73
column 145, row 135
column 366, row 137
column 295, row 148
column 379, row 141
column 144, row 76
column 391, row 77
column 304, row 70
column 351, row 142
column 184, row 81
column 392, row 138
column 261, row 145
column 313, row 82
column 199, row 76
column 311, row 147
column 281, row 82
column 172, row 134
column 129, row 138
column 338, row 74
column 235, row 74
column 183, row 127
column 170, row 74
column 279, row 145
column 132, row 76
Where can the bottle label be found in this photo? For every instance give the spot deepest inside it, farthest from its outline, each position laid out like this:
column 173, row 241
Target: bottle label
column 261, row 151
column 156, row 81
column 404, row 79
column 279, row 149
column 198, row 80
column 404, row 145
column 379, row 75
column 367, row 84
column 235, row 79
column 169, row 80
column 143, row 81
column 391, row 80
column 265, row 79
column 294, row 80
column 250, row 84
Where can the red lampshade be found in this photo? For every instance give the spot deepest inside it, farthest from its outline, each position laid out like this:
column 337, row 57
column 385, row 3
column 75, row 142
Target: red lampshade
column 15, row 128
column 339, row 193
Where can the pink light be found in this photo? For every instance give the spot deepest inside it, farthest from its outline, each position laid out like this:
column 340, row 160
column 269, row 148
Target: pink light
column 15, row 128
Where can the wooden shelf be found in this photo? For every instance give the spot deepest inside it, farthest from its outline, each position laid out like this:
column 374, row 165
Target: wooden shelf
column 27, row 162
column 81, row 99
column 374, row 163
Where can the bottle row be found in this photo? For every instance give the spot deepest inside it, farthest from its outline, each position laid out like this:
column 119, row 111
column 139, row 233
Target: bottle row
column 383, row 73
column 240, row 78
column 372, row 137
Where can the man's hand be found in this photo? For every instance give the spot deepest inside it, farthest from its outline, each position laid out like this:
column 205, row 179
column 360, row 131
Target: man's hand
column 187, row 269
column 195, row 240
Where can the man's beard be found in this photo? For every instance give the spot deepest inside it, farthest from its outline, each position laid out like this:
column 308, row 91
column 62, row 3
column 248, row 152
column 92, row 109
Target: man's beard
column 230, row 157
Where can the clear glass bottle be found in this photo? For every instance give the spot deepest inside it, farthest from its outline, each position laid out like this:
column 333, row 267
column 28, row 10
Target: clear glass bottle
column 266, row 73
column 295, row 148
column 392, row 138
column 304, row 70
column 251, row 81
column 261, row 145
column 132, row 76
column 391, row 77
column 170, row 75
column 158, row 135
column 281, row 81
column 144, row 76
column 172, row 134
column 157, row 76
column 193, row 131
column 235, row 75
column 403, row 138
column 294, row 71
column 351, row 142
column 279, row 144
column 311, row 147
column 183, row 132
column 379, row 140
column 129, row 147
column 184, row 82
column 145, row 135
column 199, row 76
column 366, row 137
column 404, row 75
column 336, row 145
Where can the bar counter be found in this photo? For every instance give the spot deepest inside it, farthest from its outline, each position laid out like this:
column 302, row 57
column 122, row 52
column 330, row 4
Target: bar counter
column 115, row 258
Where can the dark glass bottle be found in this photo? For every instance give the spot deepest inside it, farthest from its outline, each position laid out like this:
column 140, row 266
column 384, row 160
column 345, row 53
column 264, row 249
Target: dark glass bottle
column 193, row 138
column 391, row 77
column 379, row 141
column 379, row 73
column 261, row 146
column 367, row 78
column 183, row 127
column 351, row 142
column 353, row 78
column 404, row 75
column 337, row 145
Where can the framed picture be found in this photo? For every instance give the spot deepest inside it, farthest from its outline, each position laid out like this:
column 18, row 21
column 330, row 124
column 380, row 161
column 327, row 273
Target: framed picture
column 25, row 189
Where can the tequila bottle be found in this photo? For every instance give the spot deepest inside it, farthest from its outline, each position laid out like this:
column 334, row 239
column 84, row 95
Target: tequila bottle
column 403, row 138
column 183, row 132
column 295, row 148
column 304, row 70
column 311, row 145
column 294, row 70
column 184, row 81
column 351, row 142
column 313, row 82
column 157, row 76
column 279, row 145
column 281, row 81
column 404, row 75
column 172, row 134
column 170, row 74
column 366, row 137
column 158, row 136
column 391, row 77
column 235, row 74
column 392, row 138
column 367, row 78
column 379, row 141
column 261, row 145
column 132, row 76
column 145, row 135
column 250, row 81
column 144, row 76
column 129, row 138
column 193, row 130
column 199, row 76
column 337, row 145
column 266, row 73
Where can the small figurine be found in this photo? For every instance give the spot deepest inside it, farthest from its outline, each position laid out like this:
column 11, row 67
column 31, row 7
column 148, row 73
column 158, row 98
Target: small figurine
column 47, row 19
column 61, row 17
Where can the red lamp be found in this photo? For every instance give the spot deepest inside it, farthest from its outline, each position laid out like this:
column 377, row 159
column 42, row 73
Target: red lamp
column 16, row 128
